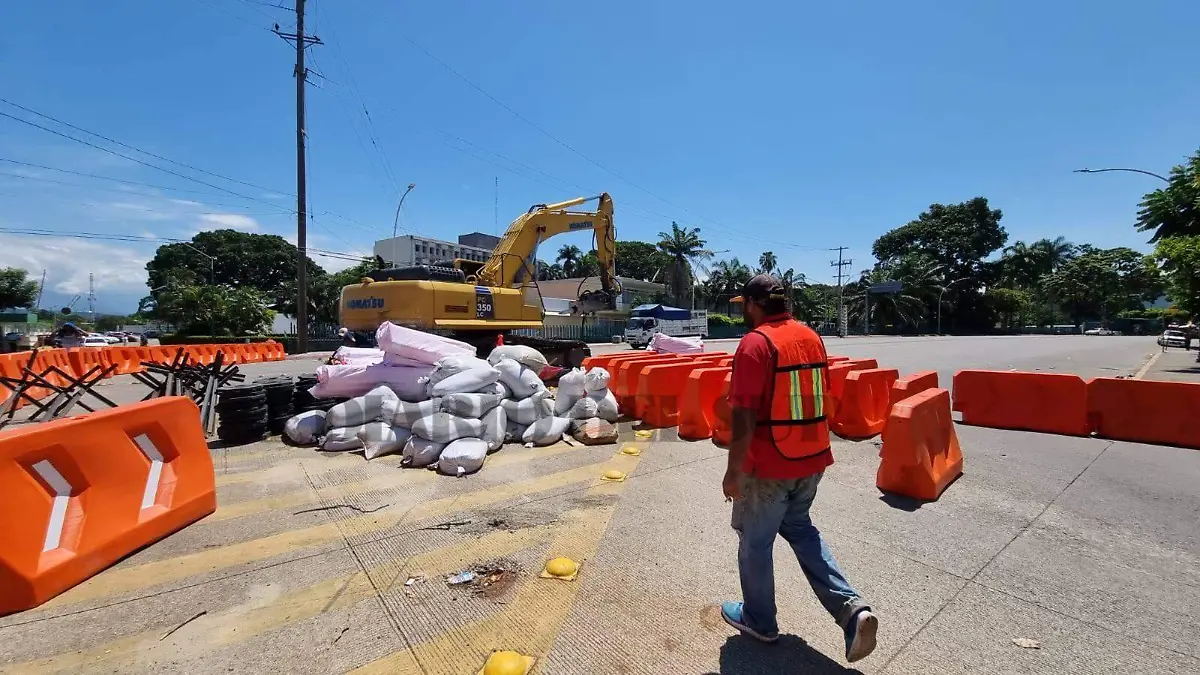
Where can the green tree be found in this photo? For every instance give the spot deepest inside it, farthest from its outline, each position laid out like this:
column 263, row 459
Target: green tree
column 1100, row 283
column 688, row 253
column 767, row 262
column 325, row 292
column 588, row 266
column 1009, row 304
column 569, row 256
column 16, row 288
column 641, row 260
column 907, row 310
column 1173, row 211
column 265, row 262
column 1179, row 258
column 231, row 311
column 547, row 272
column 725, row 280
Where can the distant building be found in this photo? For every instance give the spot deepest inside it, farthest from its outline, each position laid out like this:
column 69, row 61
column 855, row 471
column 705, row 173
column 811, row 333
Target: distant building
column 479, row 240
column 410, row 250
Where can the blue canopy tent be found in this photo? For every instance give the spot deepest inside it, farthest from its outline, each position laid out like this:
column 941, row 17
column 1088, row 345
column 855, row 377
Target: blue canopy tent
column 661, row 312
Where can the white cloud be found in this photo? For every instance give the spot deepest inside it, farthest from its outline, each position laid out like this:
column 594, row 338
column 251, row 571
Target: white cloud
column 331, row 264
column 67, row 262
column 185, row 202
column 230, row 221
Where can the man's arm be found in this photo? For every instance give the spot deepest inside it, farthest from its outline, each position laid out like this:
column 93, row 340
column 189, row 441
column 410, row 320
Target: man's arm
column 746, row 391
column 743, row 422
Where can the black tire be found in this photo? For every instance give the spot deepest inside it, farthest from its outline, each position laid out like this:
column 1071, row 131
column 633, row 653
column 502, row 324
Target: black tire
column 239, row 391
column 254, row 416
column 245, row 403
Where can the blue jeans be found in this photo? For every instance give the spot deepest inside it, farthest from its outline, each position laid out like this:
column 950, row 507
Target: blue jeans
column 780, row 507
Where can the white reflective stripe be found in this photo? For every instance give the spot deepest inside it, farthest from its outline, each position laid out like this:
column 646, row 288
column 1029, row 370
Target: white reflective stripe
column 156, row 465
column 62, row 497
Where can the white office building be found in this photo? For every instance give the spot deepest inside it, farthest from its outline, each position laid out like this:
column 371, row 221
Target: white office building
column 410, row 250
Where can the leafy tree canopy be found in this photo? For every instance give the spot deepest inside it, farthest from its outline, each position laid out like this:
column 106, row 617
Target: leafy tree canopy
column 957, row 237
column 641, row 260
column 1179, row 257
column 1104, row 282
column 1174, row 211
column 16, row 288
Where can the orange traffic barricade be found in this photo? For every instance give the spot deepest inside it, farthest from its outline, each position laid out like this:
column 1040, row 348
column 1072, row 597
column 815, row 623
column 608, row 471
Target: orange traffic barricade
column 838, row 372
column 836, row 359
column 913, row 384
column 247, row 353
column 275, row 351
column 201, row 354
column 1145, row 411
column 54, row 365
column 627, row 379
column 12, row 366
column 700, row 391
column 863, row 407
column 659, row 391
column 85, row 359
column 126, row 359
column 1049, row 402
column 79, row 494
column 920, row 455
column 722, row 425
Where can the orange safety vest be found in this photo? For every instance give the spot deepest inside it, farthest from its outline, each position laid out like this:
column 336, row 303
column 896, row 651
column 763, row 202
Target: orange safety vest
column 799, row 391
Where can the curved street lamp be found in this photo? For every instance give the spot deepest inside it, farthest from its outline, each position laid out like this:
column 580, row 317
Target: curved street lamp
column 396, row 220
column 1141, row 171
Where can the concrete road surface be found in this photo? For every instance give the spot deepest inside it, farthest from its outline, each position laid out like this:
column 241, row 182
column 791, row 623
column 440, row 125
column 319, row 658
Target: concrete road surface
column 1085, row 551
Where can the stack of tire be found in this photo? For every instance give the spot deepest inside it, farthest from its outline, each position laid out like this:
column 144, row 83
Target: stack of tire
column 280, row 392
column 242, row 414
column 302, row 401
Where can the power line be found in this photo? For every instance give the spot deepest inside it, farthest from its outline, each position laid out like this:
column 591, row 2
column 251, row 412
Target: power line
column 232, row 15
column 118, row 191
column 136, row 149
column 110, row 178
column 147, row 209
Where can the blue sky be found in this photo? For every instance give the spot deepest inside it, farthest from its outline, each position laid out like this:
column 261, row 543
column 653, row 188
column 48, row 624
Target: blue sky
column 793, row 127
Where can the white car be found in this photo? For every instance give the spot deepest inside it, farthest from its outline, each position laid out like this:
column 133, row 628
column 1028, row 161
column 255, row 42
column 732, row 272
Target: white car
column 1099, row 331
column 95, row 341
column 1172, row 338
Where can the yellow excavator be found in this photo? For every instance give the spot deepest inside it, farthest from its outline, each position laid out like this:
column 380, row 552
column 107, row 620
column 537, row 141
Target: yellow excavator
column 477, row 302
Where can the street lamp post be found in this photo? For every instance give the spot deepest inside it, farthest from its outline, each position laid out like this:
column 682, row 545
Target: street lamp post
column 942, row 293
column 212, row 277
column 396, row 220
column 1141, row 171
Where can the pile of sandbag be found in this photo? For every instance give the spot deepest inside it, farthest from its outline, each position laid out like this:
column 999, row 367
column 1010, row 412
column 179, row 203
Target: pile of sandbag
column 585, row 399
column 666, row 344
column 403, row 358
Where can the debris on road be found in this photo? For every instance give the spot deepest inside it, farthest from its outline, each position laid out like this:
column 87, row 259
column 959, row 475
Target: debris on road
column 1027, row 643
column 195, row 616
column 418, row 578
column 461, row 578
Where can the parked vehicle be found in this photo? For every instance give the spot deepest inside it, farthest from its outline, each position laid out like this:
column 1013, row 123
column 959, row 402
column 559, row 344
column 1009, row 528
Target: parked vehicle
column 647, row 320
column 1100, row 331
column 1173, row 338
column 95, row 341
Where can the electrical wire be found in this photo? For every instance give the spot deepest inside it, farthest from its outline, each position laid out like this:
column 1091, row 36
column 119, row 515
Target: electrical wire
column 120, row 191
column 232, row 15
column 110, row 178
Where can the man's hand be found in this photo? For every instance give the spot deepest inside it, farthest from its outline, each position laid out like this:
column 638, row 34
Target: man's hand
column 731, row 485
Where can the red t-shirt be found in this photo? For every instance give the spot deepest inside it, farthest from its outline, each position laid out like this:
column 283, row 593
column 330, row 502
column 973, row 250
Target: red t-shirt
column 749, row 388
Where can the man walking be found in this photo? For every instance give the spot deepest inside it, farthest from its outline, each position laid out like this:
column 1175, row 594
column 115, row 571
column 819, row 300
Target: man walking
column 779, row 451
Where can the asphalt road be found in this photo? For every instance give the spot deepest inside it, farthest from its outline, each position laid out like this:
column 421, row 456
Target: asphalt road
column 1083, row 355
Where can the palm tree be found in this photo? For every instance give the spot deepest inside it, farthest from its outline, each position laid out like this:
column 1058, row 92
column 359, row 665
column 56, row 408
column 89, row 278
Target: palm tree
column 569, row 256
column 688, row 254
column 725, row 280
column 1052, row 253
column 921, row 279
column 767, row 262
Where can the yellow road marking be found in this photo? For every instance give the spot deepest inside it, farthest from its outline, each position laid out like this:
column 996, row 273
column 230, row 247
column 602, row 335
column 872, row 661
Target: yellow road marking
column 532, row 620
column 392, row 479
column 113, row 582
column 1147, row 366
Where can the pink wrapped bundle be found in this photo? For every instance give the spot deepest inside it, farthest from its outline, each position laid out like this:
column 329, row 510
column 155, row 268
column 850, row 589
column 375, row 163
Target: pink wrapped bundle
column 418, row 346
column 355, row 380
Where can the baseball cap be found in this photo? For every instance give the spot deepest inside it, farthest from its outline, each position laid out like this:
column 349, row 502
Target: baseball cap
column 763, row 287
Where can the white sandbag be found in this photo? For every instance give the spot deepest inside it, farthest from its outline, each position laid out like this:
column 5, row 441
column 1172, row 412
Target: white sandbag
column 418, row 345
column 546, row 431
column 606, row 405
column 666, row 344
column 522, row 354
column 421, row 452
column 513, row 431
column 496, row 388
column 465, row 382
column 349, row 381
column 377, row 404
column 306, row 427
column 462, row 457
column 408, row 413
column 596, row 379
column 381, row 438
column 593, row 432
column 453, row 365
column 444, row 427
column 584, row 408
column 572, row 383
column 530, row 409
column 510, row 374
column 495, row 425
column 469, row 405
column 361, row 356
column 563, row 402
column 341, row 439
column 531, row 381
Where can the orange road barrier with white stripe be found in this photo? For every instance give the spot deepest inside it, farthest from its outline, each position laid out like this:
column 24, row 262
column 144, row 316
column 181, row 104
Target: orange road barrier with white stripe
column 79, row 494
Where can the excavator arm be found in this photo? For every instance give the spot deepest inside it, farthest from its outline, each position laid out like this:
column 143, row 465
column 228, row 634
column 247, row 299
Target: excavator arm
column 513, row 261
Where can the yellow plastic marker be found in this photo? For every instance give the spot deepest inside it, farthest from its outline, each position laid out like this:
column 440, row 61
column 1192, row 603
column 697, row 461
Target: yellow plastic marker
column 631, row 450
column 613, row 476
column 564, row 569
column 643, row 433
column 507, row 663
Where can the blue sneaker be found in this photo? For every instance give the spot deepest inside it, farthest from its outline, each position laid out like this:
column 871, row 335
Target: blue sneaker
column 731, row 612
column 860, row 635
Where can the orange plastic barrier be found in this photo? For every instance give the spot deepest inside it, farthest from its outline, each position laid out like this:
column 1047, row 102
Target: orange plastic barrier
column 127, row 360
column 700, row 392
column 12, row 365
column 52, row 358
column 838, row 372
column 659, row 390
column 201, row 354
column 722, row 425
column 920, row 454
column 249, row 353
column 162, row 355
column 1049, row 402
column 627, row 379
column 863, row 407
column 79, row 494
column 84, row 359
column 913, row 384
column 1144, row 411
column 605, row 360
column 836, row 359
column 275, row 351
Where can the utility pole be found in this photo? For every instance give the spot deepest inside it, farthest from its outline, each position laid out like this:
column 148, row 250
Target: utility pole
column 302, row 41
column 840, row 264
column 41, row 289
column 495, row 204
column 92, row 298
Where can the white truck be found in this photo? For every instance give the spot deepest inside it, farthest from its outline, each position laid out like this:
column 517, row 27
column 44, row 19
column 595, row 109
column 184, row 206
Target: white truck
column 647, row 320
